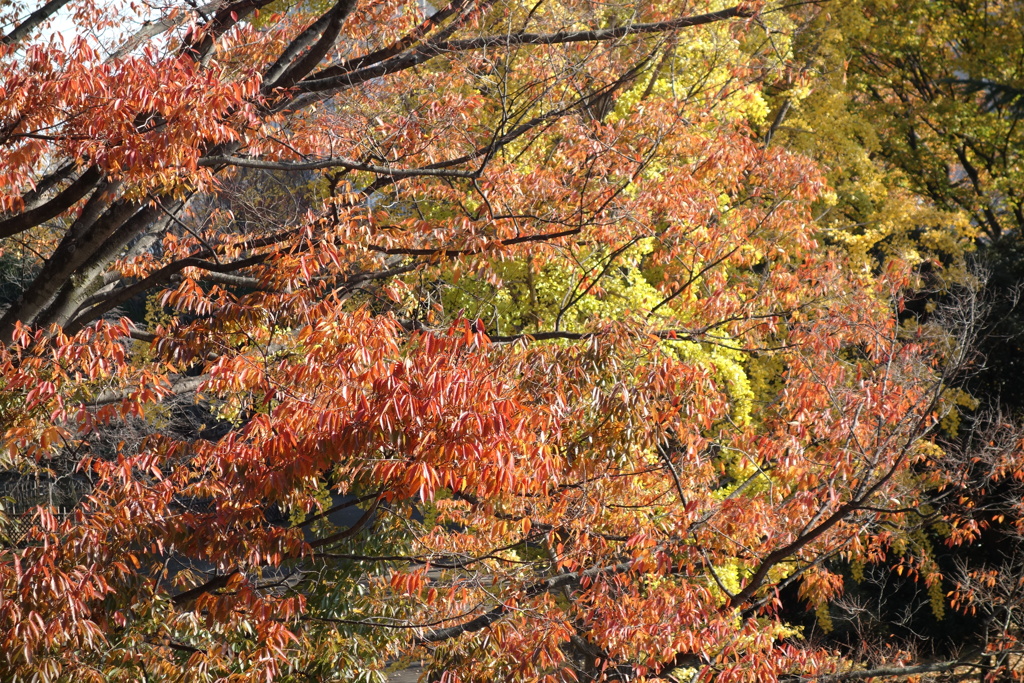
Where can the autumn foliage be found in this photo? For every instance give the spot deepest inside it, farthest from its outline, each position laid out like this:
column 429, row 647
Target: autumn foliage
column 338, row 337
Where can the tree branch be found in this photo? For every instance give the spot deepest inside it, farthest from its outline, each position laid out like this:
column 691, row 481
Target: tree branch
column 885, row 672
column 84, row 184
column 157, row 277
column 448, row 253
column 99, row 220
column 334, row 162
column 199, row 41
column 331, row 30
column 554, row 583
column 32, row 21
column 320, row 83
column 299, row 43
column 183, row 385
column 780, row 116
column 404, row 43
column 841, row 513
column 352, row 530
column 152, row 29
column 213, row 584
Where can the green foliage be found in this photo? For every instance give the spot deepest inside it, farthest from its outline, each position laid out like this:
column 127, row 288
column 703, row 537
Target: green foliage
column 528, row 296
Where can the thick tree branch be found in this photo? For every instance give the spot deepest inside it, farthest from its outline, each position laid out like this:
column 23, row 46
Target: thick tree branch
column 159, row 276
column 84, row 184
column 399, row 45
column 352, row 530
column 340, row 506
column 320, row 83
column 780, row 116
column 182, row 385
column 152, row 29
column 32, row 21
column 436, row 562
column 301, row 42
column 213, row 584
column 309, row 61
column 36, row 196
column 217, row 272
column 99, row 220
column 200, row 41
column 90, row 276
column 886, row 672
column 377, row 623
column 335, row 162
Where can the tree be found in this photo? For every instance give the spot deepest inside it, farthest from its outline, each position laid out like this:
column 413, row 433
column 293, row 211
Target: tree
column 958, row 142
column 530, row 301
column 915, row 109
